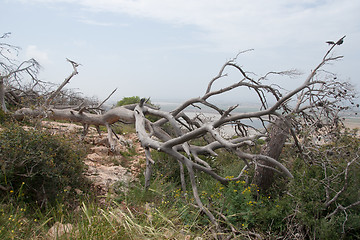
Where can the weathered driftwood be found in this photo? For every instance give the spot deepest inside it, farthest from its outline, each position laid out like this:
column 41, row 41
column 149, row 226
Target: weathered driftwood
column 117, row 114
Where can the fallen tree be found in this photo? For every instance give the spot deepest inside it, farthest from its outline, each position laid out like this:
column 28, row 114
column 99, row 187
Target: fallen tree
column 315, row 104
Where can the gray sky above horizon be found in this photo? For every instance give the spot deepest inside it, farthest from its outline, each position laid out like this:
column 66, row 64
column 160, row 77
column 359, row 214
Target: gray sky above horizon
column 172, row 49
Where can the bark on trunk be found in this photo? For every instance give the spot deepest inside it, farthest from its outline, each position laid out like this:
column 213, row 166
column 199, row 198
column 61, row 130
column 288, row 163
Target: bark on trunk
column 2, row 94
column 113, row 115
column 264, row 174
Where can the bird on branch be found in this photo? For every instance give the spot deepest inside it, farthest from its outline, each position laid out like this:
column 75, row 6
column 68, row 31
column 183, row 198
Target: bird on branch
column 339, row 42
column 75, row 64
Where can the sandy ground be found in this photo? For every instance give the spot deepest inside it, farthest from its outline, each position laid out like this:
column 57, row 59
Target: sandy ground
column 352, row 123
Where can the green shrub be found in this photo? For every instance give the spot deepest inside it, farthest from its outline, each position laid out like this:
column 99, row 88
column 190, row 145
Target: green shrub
column 302, row 208
column 37, row 167
column 4, row 117
column 135, row 100
column 128, row 101
column 295, row 208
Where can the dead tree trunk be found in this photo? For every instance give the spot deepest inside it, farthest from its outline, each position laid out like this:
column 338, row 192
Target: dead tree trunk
column 264, row 171
column 2, row 94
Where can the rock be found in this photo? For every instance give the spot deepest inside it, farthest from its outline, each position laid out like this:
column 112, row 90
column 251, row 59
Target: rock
column 105, row 176
column 94, row 157
column 78, row 191
column 169, row 234
column 100, row 150
column 59, row 229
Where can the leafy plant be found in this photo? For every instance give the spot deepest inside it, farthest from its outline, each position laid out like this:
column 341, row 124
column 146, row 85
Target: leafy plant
column 131, row 100
column 128, row 100
column 306, row 210
column 38, row 166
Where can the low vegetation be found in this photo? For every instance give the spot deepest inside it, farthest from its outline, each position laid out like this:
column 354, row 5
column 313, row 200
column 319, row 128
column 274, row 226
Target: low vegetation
column 42, row 184
column 39, row 167
column 44, row 194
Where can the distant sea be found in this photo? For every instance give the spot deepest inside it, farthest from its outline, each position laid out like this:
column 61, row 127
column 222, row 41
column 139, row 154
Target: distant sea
column 352, row 120
column 209, row 114
column 171, row 105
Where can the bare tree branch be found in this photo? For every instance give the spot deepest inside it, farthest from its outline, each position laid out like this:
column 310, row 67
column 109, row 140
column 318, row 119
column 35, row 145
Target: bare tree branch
column 66, row 81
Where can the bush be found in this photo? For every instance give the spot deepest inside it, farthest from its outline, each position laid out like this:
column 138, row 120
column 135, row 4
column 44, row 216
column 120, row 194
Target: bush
column 128, row 100
column 295, row 208
column 302, row 210
column 37, row 167
column 135, row 100
column 4, row 117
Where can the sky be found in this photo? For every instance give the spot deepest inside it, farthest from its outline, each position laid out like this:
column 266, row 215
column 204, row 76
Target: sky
column 171, row 49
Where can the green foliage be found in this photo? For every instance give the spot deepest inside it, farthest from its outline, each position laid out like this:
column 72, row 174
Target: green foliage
column 134, row 100
column 166, row 167
column 302, row 210
column 14, row 223
column 294, row 208
column 37, row 167
column 131, row 100
column 4, row 117
column 122, row 128
column 128, row 100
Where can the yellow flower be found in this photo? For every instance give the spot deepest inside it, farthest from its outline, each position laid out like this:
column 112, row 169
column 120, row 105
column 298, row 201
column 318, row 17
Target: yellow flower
column 11, row 191
column 235, row 190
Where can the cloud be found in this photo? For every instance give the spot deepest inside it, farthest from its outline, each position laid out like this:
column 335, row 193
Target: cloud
column 231, row 23
column 32, row 51
column 95, row 23
column 286, row 34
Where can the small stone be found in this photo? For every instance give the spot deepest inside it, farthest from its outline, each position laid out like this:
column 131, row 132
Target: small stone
column 78, row 191
column 59, row 229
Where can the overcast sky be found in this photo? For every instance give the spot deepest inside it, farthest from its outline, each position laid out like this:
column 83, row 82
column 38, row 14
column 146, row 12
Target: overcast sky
column 171, row 49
